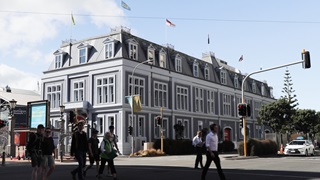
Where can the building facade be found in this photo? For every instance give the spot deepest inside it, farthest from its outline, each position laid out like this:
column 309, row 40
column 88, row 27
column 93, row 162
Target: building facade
column 93, row 76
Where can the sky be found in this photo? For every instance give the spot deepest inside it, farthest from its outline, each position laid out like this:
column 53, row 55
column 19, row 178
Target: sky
column 267, row 33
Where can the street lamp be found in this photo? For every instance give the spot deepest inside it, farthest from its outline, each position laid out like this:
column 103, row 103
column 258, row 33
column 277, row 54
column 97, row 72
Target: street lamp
column 12, row 122
column 132, row 95
column 62, row 134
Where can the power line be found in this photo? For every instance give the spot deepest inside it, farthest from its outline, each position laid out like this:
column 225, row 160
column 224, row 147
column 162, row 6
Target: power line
column 174, row 18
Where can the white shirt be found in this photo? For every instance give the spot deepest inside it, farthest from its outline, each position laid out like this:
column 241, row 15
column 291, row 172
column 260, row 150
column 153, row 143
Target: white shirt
column 197, row 141
column 212, row 141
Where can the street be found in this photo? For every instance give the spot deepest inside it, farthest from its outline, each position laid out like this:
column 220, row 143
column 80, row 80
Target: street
column 181, row 167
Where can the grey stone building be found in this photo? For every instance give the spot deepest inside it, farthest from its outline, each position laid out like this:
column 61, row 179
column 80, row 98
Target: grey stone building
column 93, row 76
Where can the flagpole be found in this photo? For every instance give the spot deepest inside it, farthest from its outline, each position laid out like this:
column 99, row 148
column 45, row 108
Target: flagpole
column 131, row 123
column 165, row 34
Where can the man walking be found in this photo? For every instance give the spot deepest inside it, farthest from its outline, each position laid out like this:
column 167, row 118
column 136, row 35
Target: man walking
column 47, row 150
column 212, row 152
column 94, row 155
column 79, row 148
column 198, row 144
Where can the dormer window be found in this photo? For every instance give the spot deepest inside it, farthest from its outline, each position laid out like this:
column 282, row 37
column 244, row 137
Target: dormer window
column 236, row 81
column 178, row 65
column 83, row 52
column 223, row 77
column 151, row 54
column 162, row 59
column 263, row 90
column 133, row 49
column 206, row 72
column 195, row 68
column 254, row 87
column 58, row 61
column 109, row 48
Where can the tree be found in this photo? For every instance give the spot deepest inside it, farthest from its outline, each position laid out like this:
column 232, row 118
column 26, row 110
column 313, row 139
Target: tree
column 288, row 90
column 276, row 115
column 306, row 121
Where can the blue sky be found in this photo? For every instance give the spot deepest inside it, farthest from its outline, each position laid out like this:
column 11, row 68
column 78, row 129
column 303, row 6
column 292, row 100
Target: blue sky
column 267, row 34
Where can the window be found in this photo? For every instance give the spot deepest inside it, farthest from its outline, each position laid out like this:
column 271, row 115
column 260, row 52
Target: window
column 199, row 100
column 160, row 94
column 162, row 58
column 223, row 77
column 100, row 125
column 182, row 98
column 133, row 51
column 210, row 102
column 54, row 95
column 186, row 129
column 58, row 61
column 200, row 125
column 206, row 72
column 83, row 55
column 263, row 90
column 227, row 104
column 151, row 54
column 141, row 126
column 196, row 68
column 78, row 91
column 254, row 87
column 178, row 65
column 236, row 81
column 105, row 90
column 109, row 52
column 136, row 86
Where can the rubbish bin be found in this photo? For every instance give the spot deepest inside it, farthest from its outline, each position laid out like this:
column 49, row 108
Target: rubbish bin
column 147, row 145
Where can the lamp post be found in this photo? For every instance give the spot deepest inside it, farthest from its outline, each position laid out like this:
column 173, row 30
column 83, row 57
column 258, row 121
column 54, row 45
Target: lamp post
column 62, row 133
column 132, row 95
column 12, row 121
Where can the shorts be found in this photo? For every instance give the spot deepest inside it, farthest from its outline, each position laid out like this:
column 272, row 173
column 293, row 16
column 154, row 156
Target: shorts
column 48, row 160
column 36, row 159
column 94, row 158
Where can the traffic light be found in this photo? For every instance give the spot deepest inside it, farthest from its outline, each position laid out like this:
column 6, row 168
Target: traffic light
column 71, row 117
column 248, row 110
column 241, row 122
column 130, row 130
column 242, row 109
column 306, row 59
column 159, row 120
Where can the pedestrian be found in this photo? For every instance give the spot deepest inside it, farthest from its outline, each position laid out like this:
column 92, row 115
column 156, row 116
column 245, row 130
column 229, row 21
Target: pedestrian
column 34, row 148
column 79, row 148
column 114, row 141
column 94, row 155
column 198, row 144
column 107, row 155
column 212, row 152
column 48, row 149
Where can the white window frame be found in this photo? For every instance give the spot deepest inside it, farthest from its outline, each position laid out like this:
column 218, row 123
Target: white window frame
column 226, row 101
column 138, row 87
column 106, row 90
column 206, row 72
column 160, row 94
column 210, row 102
column 186, row 129
column 200, row 125
column 263, row 90
column 142, row 126
column 223, row 77
column 58, row 61
column 83, row 56
column 254, row 87
column 53, row 94
column 182, row 98
column 109, row 50
column 78, row 92
column 133, row 51
column 236, row 81
column 151, row 54
column 162, row 59
column 178, row 63
column 100, row 125
column 195, row 68
column 199, row 99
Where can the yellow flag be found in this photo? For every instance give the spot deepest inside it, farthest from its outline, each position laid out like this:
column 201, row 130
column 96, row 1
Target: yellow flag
column 136, row 104
column 73, row 22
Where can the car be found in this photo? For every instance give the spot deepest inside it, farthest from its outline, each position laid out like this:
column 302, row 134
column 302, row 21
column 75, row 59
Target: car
column 299, row 147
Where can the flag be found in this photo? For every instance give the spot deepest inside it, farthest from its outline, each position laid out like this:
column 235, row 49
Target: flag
column 125, row 6
column 136, row 104
column 169, row 23
column 72, row 19
column 208, row 39
column 241, row 58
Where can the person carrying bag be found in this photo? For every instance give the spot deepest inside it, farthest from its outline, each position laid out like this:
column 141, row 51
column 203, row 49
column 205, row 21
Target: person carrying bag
column 107, row 155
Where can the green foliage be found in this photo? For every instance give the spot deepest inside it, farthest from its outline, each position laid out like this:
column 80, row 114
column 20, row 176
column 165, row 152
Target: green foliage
column 257, row 147
column 226, row 146
column 288, row 90
column 306, row 121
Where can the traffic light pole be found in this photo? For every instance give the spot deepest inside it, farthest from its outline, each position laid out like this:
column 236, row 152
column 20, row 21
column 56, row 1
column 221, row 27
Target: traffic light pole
column 243, row 100
column 161, row 128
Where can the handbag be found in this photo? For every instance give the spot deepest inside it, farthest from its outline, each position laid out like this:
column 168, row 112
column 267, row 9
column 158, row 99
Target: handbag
column 113, row 154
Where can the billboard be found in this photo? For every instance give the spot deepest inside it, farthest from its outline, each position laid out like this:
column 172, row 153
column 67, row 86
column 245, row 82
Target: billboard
column 38, row 112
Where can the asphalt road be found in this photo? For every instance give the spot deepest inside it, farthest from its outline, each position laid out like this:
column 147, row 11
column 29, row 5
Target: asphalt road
column 181, row 168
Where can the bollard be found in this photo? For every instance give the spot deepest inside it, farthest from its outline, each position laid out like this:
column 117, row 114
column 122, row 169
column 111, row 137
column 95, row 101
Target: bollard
column 3, row 158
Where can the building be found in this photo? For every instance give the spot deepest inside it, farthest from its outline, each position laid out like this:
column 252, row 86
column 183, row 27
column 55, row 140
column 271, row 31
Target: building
column 93, row 76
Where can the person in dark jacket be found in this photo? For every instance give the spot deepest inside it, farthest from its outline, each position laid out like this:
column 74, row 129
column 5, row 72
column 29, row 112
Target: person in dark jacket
column 79, row 148
column 94, row 155
column 35, row 151
column 47, row 151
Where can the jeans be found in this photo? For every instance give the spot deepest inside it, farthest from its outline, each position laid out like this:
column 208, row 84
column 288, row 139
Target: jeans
column 81, row 158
